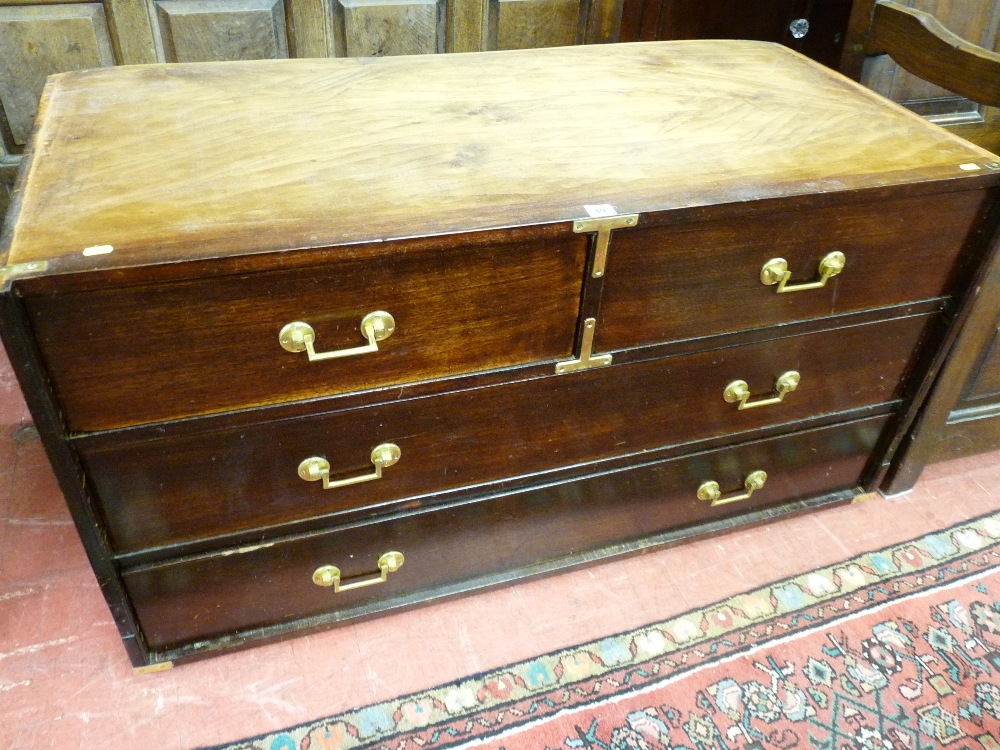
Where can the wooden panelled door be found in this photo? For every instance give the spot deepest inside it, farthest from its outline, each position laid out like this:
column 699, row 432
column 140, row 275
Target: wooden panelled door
column 815, row 28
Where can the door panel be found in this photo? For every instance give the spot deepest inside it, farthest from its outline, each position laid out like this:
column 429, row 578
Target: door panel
column 984, row 381
column 210, row 30
column 373, row 28
column 519, row 24
column 37, row 41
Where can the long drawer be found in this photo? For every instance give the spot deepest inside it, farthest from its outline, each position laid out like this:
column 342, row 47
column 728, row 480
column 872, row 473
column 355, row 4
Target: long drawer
column 696, row 278
column 236, row 590
column 162, row 491
column 125, row 356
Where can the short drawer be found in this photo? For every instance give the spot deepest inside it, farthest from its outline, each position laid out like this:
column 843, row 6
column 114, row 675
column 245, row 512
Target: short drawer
column 129, row 356
column 474, row 543
column 699, row 278
column 168, row 490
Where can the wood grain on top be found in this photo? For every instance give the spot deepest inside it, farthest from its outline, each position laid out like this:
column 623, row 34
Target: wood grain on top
column 167, row 163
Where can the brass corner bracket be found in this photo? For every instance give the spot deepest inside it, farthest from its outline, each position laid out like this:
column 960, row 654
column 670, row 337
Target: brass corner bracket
column 23, row 269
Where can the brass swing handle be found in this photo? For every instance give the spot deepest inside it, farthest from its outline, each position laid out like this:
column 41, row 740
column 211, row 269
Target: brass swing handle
column 710, row 490
column 738, row 392
column 298, row 337
column 329, row 575
column 316, row 468
column 775, row 271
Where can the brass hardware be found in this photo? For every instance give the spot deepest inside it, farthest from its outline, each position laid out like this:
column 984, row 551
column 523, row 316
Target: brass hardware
column 775, row 271
column 603, row 227
column 710, row 490
column 316, row 468
column 23, row 269
column 298, row 337
column 329, row 575
column 739, row 392
column 587, row 359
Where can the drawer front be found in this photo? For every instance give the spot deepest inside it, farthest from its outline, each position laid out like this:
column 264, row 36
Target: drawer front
column 170, row 490
column 701, row 278
column 221, row 594
column 129, row 356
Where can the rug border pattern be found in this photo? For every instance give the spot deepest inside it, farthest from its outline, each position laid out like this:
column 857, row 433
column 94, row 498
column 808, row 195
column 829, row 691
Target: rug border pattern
column 495, row 701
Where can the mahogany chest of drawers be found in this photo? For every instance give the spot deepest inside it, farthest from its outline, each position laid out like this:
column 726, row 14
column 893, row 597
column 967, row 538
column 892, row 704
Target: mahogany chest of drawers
column 311, row 340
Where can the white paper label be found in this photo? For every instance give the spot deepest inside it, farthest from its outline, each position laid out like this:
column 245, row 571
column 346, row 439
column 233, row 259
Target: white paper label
column 603, row 209
column 98, row 250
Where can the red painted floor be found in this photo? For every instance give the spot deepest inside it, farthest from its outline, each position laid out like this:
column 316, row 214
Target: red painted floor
column 65, row 681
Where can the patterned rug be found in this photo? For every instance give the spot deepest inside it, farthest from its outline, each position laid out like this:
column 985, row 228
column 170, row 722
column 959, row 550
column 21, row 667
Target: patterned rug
column 897, row 649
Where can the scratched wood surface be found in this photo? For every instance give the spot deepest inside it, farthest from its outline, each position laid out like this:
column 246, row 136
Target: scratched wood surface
column 165, row 164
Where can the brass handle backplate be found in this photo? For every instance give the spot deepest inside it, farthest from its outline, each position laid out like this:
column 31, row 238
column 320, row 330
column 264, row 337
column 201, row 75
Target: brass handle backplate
column 710, row 490
column 316, row 468
column 300, row 337
column 775, row 271
column 738, row 392
column 329, row 575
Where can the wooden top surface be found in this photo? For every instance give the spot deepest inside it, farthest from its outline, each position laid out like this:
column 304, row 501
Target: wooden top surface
column 168, row 163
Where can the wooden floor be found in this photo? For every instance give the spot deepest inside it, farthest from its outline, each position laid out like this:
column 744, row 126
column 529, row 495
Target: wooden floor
column 65, row 681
